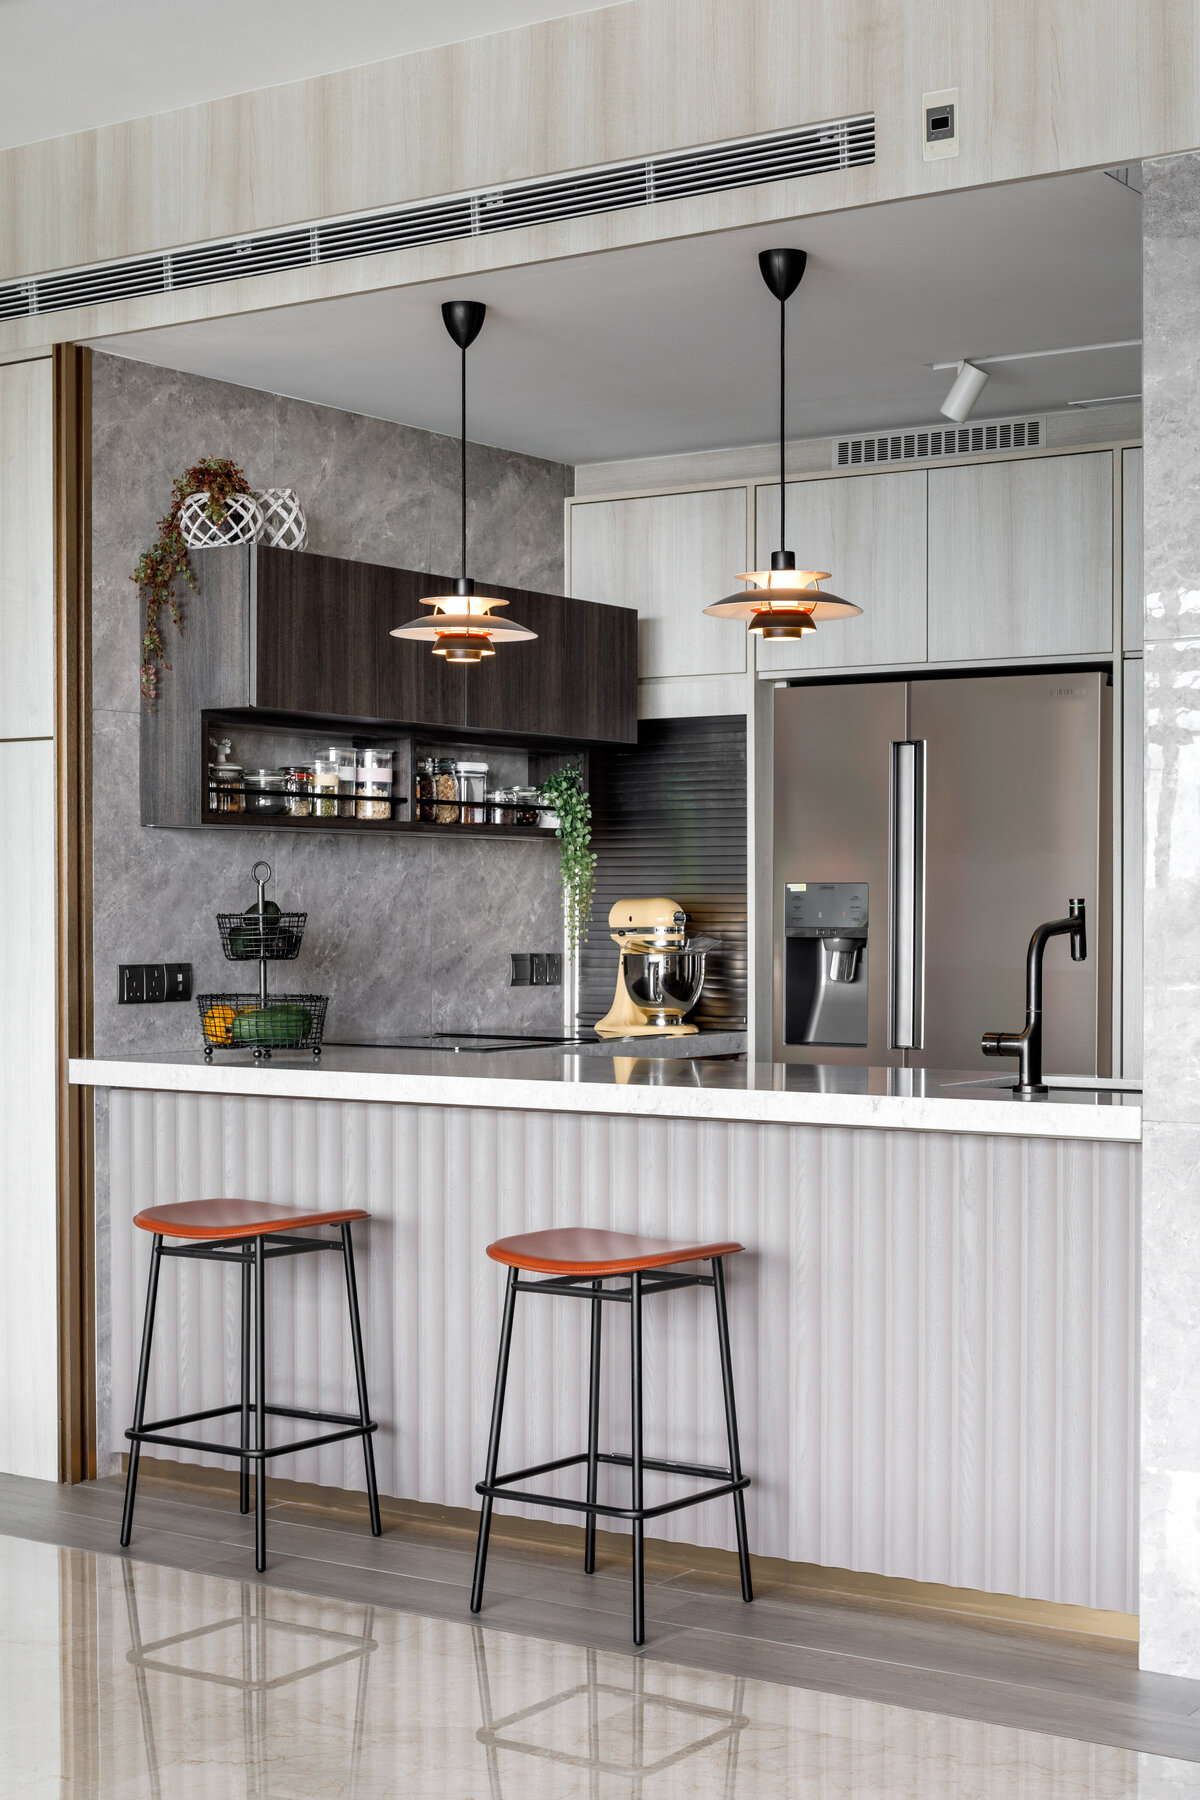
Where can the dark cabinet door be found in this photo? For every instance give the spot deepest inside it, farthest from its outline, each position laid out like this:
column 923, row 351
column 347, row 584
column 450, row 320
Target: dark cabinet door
column 324, row 644
column 578, row 680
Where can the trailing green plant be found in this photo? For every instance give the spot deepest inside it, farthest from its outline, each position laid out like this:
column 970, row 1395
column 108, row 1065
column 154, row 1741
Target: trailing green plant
column 565, row 792
column 166, row 561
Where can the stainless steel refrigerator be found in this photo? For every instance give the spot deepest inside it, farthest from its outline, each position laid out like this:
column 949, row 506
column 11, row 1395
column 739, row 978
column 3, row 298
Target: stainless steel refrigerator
column 922, row 830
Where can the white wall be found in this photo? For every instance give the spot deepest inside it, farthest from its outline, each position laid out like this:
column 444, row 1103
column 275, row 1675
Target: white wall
column 28, row 1163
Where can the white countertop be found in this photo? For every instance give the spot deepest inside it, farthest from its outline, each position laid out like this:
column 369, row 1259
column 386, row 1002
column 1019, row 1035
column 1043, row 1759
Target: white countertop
column 550, row 1081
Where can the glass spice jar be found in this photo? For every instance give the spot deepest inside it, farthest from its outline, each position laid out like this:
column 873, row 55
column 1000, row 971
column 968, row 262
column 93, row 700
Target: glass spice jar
column 500, row 806
column 347, row 767
column 445, row 786
column 373, row 781
column 526, row 805
column 298, row 786
column 426, row 791
column 325, row 787
column 472, row 792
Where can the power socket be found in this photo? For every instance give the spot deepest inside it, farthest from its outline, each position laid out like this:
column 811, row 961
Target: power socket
column 535, row 968
column 141, row 983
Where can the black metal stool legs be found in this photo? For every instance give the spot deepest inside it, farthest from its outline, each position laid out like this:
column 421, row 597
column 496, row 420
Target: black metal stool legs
column 260, row 1405
column 731, row 1427
column 493, row 1455
column 589, row 1541
column 635, row 1452
column 360, row 1378
column 139, row 1404
column 244, row 1478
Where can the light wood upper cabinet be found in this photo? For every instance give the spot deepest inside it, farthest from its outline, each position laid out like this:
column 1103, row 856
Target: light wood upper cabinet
column 869, row 532
column 1133, row 587
column 670, row 556
column 26, row 550
column 1020, row 558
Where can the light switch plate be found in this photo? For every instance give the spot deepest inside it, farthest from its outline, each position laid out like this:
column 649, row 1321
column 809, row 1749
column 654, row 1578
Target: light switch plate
column 939, row 124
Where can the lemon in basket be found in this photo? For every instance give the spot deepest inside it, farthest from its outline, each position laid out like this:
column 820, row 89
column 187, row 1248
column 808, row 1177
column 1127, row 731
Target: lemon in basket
column 218, row 1025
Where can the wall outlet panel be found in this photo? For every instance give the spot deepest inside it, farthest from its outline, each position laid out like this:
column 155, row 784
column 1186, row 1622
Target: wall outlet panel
column 535, row 968
column 140, row 984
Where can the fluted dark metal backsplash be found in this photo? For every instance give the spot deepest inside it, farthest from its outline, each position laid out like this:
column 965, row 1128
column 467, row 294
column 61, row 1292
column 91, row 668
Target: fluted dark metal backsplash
column 669, row 817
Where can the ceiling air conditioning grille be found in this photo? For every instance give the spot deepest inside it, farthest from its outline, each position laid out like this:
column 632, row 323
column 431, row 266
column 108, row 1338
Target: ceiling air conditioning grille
column 783, row 156
column 938, row 440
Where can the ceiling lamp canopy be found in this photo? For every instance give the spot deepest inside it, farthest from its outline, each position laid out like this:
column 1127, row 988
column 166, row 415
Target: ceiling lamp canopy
column 784, row 602
column 463, row 625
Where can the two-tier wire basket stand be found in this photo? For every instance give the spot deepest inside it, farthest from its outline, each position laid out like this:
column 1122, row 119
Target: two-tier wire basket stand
column 264, row 1021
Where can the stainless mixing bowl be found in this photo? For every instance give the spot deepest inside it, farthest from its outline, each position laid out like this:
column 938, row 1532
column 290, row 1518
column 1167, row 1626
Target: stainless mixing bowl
column 667, row 983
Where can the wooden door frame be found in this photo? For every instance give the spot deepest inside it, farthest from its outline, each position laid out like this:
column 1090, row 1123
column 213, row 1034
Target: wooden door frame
column 72, row 369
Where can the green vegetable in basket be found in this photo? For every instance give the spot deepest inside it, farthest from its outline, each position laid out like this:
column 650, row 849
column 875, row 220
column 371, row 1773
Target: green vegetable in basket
column 270, row 911
column 280, row 1024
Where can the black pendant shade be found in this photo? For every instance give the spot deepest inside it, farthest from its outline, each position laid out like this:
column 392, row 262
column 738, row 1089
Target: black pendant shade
column 785, row 601
column 462, row 625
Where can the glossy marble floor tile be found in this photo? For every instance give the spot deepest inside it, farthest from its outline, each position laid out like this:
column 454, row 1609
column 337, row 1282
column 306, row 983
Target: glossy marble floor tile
column 121, row 1680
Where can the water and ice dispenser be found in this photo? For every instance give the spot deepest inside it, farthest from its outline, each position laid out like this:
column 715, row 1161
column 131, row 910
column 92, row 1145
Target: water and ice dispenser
column 825, row 933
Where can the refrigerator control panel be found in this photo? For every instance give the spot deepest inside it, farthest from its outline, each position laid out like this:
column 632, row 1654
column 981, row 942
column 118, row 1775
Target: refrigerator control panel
column 825, row 908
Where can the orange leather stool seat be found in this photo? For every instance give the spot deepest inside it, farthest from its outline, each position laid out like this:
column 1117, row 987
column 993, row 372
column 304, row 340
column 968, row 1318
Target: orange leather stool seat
column 212, row 1219
column 574, row 1251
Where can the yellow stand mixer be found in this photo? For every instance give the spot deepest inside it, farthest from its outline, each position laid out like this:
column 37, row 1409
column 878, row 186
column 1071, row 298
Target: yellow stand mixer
column 660, row 973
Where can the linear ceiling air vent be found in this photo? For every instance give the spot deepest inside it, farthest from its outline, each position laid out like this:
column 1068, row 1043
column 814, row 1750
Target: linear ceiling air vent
column 784, row 156
column 938, row 440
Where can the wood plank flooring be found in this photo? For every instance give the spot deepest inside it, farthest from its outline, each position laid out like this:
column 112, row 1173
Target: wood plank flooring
column 1027, row 1677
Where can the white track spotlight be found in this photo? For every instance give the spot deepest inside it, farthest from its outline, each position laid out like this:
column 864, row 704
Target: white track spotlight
column 969, row 383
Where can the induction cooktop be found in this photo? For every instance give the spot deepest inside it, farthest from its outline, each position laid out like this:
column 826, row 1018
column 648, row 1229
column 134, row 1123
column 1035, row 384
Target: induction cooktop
column 467, row 1041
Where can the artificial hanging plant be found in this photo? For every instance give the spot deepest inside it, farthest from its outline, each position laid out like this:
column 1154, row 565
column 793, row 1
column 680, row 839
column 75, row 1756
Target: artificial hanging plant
column 166, row 560
column 565, row 792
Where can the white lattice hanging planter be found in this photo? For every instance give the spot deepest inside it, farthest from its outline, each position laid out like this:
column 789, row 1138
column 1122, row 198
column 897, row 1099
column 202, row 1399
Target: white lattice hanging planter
column 242, row 524
column 284, row 524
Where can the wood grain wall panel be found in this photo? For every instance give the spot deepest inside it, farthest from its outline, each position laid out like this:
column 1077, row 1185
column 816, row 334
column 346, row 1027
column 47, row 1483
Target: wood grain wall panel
column 621, row 82
column 1020, row 558
column 869, row 532
column 934, row 1336
column 28, row 1114
column 669, row 555
column 26, row 550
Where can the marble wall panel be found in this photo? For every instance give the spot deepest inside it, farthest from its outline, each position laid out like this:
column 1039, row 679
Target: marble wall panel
column 404, row 936
column 1170, row 1327
column 1171, row 395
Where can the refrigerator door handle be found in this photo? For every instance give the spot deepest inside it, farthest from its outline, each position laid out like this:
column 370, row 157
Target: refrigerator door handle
column 906, row 924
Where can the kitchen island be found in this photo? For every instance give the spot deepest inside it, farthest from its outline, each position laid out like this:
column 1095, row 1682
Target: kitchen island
column 934, row 1324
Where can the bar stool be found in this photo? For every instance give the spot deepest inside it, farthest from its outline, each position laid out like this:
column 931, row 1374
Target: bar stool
column 578, row 1263
column 249, row 1234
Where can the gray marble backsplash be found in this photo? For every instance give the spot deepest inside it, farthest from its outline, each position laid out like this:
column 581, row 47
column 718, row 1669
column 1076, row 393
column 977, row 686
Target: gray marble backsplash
column 403, row 935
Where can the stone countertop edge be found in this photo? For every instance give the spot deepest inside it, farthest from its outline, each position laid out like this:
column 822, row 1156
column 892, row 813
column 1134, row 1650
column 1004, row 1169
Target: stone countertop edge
column 961, row 1112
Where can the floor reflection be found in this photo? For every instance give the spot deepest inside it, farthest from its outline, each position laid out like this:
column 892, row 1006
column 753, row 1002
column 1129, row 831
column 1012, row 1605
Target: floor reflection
column 255, row 1643
column 627, row 1729
column 122, row 1680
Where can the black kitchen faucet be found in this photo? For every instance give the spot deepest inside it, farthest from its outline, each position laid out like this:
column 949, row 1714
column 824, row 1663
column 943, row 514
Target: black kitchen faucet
column 1027, row 1044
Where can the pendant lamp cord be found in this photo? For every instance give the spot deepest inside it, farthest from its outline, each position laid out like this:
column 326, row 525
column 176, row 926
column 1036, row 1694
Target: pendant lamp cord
column 463, row 467
column 782, row 402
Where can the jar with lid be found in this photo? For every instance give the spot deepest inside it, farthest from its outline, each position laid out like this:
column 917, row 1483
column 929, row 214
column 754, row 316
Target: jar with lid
column 298, row 787
column 347, row 768
column 500, row 806
column 426, row 785
column 445, row 787
column 526, row 806
column 373, row 780
column 224, row 782
column 472, row 792
column 265, row 790
column 325, row 786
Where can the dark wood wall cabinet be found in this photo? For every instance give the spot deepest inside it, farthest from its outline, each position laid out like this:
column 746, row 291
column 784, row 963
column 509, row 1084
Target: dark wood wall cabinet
column 287, row 640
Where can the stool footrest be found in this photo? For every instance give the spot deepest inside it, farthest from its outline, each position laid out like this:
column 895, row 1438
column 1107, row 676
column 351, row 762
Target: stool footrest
column 502, row 1489
column 154, row 1432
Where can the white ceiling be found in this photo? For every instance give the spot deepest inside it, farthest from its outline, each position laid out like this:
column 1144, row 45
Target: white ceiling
column 671, row 347
column 70, row 65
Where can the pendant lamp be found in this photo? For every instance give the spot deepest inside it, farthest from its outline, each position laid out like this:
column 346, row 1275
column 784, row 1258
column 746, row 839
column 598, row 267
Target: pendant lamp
column 785, row 602
column 462, row 626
